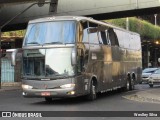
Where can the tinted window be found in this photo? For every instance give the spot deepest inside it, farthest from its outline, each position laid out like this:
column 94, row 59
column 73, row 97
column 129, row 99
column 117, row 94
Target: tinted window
column 157, row 71
column 102, row 37
column 113, row 37
column 50, row 32
column 149, row 70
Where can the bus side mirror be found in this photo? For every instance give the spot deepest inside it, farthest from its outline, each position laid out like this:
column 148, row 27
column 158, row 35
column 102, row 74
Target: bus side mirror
column 74, row 57
column 13, row 57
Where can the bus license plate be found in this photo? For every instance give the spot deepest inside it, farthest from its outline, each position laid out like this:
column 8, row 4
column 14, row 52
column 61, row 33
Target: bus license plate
column 45, row 93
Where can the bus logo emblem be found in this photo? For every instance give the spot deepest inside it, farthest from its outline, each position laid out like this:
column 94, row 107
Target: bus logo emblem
column 45, row 86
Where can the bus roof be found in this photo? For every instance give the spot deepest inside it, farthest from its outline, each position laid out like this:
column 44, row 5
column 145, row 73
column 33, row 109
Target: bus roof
column 78, row 18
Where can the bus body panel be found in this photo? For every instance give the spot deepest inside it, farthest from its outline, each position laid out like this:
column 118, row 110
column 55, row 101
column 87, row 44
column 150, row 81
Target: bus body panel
column 109, row 63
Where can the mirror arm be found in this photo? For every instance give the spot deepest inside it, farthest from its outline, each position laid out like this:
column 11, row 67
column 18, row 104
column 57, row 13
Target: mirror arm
column 13, row 57
column 74, row 56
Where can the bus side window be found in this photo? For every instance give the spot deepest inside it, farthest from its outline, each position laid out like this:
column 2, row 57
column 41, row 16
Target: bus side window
column 85, row 35
column 93, row 38
column 112, row 37
column 103, row 37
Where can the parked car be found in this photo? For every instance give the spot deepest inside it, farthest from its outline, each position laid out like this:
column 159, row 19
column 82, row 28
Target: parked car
column 146, row 73
column 154, row 78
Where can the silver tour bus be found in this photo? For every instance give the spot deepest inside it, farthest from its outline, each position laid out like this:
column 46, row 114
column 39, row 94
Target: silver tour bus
column 70, row 56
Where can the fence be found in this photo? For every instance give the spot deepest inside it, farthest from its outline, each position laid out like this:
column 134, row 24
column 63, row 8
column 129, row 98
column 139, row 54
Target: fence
column 7, row 71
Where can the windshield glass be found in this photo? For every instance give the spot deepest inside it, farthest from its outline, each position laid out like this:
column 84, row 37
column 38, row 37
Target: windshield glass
column 149, row 70
column 157, row 71
column 50, row 63
column 58, row 32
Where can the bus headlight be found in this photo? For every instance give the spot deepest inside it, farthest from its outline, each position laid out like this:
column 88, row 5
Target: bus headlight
column 67, row 86
column 26, row 86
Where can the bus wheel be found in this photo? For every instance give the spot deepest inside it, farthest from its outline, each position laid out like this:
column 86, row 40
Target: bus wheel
column 129, row 84
column 151, row 85
column 48, row 99
column 92, row 94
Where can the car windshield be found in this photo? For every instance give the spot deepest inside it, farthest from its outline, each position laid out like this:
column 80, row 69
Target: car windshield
column 58, row 32
column 149, row 70
column 157, row 71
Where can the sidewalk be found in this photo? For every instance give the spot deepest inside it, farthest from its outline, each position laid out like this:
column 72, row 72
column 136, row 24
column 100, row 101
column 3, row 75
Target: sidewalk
column 151, row 95
column 10, row 86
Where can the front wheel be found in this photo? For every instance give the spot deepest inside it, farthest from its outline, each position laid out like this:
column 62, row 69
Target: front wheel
column 48, row 99
column 92, row 95
column 151, row 85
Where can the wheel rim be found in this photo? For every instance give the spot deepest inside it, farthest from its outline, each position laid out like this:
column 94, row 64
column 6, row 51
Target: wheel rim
column 127, row 85
column 93, row 90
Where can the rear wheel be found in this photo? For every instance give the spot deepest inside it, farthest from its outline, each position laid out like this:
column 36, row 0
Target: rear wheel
column 129, row 83
column 140, row 82
column 48, row 99
column 92, row 95
column 151, row 85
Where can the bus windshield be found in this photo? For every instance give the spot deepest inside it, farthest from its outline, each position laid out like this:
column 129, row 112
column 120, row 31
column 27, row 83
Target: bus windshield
column 57, row 32
column 51, row 63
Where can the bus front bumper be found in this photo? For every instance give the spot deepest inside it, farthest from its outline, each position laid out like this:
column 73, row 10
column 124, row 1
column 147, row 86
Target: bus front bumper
column 55, row 93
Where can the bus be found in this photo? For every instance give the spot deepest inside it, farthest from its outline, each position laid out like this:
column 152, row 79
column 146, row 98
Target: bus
column 70, row 56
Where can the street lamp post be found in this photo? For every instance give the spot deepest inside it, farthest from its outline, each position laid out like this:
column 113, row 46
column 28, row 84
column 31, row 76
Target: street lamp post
column 127, row 23
column 136, row 4
column 155, row 54
column 40, row 4
column 155, row 19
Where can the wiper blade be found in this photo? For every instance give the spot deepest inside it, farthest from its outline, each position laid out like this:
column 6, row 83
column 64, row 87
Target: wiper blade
column 53, row 43
column 33, row 43
column 58, row 75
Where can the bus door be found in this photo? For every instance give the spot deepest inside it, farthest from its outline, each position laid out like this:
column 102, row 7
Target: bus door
column 95, row 55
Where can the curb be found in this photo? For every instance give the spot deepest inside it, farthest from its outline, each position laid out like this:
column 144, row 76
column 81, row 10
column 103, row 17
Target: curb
column 13, row 84
column 144, row 96
column 10, row 86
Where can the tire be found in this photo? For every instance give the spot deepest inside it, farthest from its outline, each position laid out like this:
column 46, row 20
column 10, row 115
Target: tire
column 140, row 82
column 151, row 85
column 129, row 84
column 92, row 95
column 132, row 83
column 48, row 99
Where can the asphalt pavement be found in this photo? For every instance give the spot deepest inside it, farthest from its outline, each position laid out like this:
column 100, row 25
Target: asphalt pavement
column 151, row 95
column 12, row 100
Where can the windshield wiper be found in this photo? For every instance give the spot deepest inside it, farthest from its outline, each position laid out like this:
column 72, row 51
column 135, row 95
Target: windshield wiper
column 53, row 43
column 34, row 43
column 58, row 75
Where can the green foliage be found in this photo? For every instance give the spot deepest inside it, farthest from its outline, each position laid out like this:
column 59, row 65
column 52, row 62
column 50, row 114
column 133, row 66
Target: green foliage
column 18, row 33
column 144, row 28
